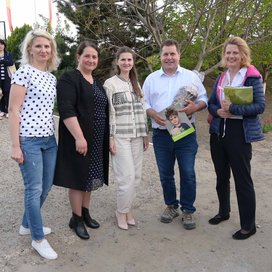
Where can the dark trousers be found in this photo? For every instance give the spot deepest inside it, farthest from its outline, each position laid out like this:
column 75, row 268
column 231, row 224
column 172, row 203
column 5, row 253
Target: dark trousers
column 5, row 86
column 231, row 152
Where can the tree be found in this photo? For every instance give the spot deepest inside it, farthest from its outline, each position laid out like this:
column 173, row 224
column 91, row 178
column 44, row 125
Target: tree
column 111, row 24
column 15, row 39
column 262, row 48
column 200, row 26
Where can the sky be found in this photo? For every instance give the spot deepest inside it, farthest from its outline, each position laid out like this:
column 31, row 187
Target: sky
column 26, row 12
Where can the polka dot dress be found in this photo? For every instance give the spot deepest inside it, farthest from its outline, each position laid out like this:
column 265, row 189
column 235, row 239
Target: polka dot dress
column 96, row 175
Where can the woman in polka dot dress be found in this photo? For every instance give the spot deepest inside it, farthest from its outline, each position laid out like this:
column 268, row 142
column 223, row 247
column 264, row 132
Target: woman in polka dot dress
column 83, row 150
column 32, row 130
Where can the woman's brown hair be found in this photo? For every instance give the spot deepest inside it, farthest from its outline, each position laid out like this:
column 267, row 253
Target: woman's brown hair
column 132, row 73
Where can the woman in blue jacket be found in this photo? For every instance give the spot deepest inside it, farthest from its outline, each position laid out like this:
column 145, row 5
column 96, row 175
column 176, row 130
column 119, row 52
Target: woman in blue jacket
column 232, row 129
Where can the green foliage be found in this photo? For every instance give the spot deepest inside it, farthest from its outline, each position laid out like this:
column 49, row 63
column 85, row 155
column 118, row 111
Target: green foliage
column 15, row 39
column 109, row 24
column 201, row 27
column 267, row 126
column 65, row 43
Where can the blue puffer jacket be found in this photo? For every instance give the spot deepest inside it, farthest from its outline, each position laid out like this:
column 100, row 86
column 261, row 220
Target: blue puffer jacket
column 251, row 123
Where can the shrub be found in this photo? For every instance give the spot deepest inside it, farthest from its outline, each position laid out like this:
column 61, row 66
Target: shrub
column 267, row 126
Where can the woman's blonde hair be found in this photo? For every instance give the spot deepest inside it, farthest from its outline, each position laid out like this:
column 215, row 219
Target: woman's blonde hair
column 244, row 50
column 53, row 62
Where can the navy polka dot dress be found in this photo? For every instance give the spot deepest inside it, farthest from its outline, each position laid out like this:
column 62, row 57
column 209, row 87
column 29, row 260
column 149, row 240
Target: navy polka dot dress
column 96, row 175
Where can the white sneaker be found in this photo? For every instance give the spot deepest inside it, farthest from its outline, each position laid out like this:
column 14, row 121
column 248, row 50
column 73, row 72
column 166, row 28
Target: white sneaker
column 44, row 249
column 6, row 115
column 26, row 231
column 2, row 114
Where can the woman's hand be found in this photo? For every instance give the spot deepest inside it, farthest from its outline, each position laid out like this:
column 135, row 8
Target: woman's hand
column 81, row 146
column 17, row 154
column 74, row 128
column 146, row 143
column 112, row 146
column 225, row 105
column 223, row 114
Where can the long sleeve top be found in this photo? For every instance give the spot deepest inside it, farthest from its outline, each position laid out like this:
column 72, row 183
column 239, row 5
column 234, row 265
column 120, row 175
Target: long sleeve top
column 127, row 113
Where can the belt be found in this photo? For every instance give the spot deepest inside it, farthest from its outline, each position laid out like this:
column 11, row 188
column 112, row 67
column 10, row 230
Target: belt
column 162, row 129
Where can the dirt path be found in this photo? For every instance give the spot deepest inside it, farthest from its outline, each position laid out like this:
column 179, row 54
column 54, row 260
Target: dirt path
column 151, row 246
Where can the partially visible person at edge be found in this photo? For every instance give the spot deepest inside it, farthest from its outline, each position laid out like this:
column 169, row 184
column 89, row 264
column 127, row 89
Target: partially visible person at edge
column 83, row 147
column 31, row 123
column 232, row 129
column 128, row 132
column 160, row 89
column 5, row 61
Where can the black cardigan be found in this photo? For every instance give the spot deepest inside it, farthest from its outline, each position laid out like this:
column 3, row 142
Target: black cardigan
column 75, row 99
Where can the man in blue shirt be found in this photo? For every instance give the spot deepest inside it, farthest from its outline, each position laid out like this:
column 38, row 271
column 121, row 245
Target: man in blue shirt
column 160, row 89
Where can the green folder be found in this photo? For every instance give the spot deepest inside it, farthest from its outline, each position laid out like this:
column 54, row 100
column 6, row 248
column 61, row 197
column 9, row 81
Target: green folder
column 239, row 95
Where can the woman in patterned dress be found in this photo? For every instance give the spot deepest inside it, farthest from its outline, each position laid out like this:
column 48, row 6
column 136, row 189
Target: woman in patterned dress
column 128, row 132
column 83, row 149
column 34, row 146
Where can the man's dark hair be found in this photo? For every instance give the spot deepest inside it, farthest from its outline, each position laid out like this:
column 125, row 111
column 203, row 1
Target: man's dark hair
column 170, row 43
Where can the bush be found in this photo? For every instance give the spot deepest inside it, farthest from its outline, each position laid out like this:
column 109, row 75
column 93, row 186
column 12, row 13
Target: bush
column 267, row 127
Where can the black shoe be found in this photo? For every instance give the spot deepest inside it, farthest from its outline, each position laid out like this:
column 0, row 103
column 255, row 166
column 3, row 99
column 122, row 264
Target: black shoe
column 242, row 236
column 218, row 219
column 90, row 222
column 76, row 223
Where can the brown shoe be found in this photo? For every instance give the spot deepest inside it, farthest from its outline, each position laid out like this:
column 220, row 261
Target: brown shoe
column 188, row 220
column 169, row 214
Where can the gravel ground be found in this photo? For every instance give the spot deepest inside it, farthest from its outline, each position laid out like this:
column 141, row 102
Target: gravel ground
column 151, row 245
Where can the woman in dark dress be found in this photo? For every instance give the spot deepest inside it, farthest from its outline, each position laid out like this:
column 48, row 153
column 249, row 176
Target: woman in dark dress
column 5, row 61
column 83, row 150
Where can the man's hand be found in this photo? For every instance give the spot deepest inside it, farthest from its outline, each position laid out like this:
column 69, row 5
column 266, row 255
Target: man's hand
column 156, row 117
column 190, row 108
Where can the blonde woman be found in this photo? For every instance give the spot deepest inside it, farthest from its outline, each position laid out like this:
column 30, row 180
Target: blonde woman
column 34, row 147
column 232, row 130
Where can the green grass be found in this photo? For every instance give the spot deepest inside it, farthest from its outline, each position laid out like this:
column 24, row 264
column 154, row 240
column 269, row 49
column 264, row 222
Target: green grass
column 267, row 126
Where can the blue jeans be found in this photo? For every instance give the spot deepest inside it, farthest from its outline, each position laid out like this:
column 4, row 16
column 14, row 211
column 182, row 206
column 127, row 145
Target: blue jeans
column 38, row 172
column 166, row 153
